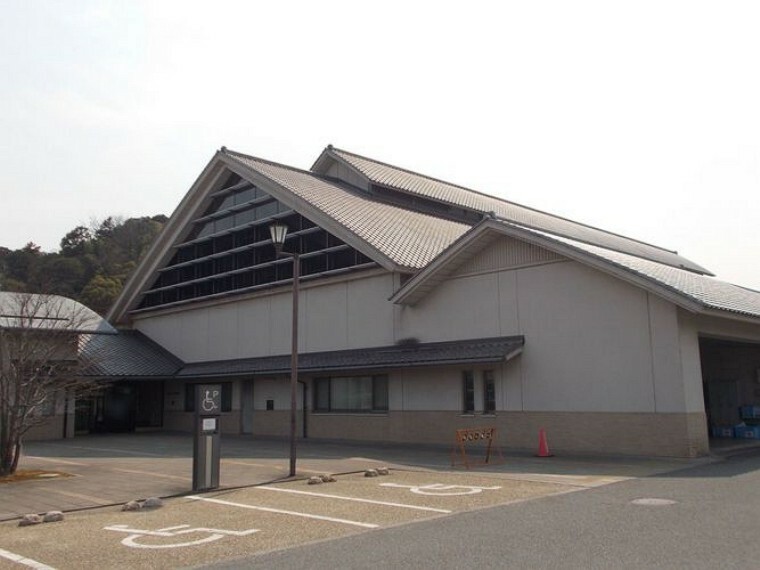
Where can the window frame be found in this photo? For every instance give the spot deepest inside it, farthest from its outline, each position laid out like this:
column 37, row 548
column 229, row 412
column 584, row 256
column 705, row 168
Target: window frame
column 468, row 392
column 489, row 396
column 379, row 394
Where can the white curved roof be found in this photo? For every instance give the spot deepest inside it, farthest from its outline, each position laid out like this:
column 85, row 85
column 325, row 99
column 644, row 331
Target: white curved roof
column 49, row 313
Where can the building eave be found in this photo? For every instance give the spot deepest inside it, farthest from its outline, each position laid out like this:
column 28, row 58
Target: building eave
column 477, row 239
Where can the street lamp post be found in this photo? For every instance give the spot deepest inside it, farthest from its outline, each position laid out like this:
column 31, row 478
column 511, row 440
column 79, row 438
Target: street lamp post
column 278, row 232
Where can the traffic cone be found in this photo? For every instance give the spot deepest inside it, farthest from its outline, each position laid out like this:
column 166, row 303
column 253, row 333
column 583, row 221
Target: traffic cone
column 543, row 446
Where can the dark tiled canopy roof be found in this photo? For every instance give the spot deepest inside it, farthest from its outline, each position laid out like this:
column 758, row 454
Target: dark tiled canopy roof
column 127, row 354
column 477, row 351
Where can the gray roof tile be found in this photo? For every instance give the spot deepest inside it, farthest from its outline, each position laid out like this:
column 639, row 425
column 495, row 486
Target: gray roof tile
column 418, row 184
column 127, row 354
column 408, row 238
column 427, row 354
column 707, row 291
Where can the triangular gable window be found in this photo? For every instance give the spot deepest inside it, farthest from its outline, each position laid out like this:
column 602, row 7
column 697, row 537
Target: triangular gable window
column 229, row 249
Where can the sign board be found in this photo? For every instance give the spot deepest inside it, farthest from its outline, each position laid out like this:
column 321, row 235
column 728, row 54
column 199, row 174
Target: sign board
column 209, row 400
column 480, row 439
column 206, row 444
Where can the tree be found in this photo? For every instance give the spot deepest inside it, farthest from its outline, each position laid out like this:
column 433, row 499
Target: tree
column 21, row 264
column 39, row 363
column 76, row 241
column 92, row 262
column 101, row 292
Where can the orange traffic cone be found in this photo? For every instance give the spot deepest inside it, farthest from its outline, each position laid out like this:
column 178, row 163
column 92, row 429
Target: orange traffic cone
column 543, row 446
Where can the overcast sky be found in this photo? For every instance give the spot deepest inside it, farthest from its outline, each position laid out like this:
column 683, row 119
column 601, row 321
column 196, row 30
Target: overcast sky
column 642, row 118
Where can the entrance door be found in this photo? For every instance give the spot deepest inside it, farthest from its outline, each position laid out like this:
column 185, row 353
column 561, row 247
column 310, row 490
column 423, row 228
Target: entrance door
column 119, row 409
column 84, row 415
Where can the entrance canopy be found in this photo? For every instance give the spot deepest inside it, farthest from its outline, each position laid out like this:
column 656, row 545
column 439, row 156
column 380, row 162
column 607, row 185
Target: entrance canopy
column 411, row 354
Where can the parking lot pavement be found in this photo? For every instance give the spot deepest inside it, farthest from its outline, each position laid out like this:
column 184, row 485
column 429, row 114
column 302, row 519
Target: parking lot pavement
column 224, row 525
column 112, row 469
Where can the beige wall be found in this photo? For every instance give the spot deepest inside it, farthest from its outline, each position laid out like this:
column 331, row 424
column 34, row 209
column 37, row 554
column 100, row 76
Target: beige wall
column 598, row 352
column 592, row 342
column 673, row 435
column 332, row 316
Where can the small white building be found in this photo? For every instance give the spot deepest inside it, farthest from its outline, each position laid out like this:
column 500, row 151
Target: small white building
column 427, row 307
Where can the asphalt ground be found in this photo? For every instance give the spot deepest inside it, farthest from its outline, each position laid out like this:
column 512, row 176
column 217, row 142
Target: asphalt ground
column 223, row 525
column 111, row 469
column 703, row 518
column 265, row 513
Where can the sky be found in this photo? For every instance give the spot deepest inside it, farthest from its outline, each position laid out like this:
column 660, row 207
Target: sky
column 641, row 118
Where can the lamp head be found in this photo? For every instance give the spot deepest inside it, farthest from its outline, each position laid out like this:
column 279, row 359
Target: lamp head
column 278, row 231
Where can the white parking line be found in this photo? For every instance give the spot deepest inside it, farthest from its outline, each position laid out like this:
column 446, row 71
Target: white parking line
column 339, row 497
column 153, row 474
column 282, row 512
column 55, row 460
column 25, row 561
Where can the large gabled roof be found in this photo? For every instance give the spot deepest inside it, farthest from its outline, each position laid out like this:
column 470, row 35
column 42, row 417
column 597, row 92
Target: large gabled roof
column 419, row 185
column 397, row 238
column 408, row 239
column 405, row 221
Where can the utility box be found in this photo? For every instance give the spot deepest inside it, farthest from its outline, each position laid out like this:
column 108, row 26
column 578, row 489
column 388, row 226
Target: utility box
column 207, row 443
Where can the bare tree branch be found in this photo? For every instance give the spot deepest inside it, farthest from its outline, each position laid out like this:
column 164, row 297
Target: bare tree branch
column 40, row 363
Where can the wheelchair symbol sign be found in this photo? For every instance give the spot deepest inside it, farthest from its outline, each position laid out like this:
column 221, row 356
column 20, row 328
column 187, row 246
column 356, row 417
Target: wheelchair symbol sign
column 441, row 490
column 183, row 530
column 209, row 398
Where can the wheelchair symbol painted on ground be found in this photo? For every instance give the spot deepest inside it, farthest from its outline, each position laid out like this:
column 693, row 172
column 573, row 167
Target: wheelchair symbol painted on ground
column 441, row 490
column 212, row 534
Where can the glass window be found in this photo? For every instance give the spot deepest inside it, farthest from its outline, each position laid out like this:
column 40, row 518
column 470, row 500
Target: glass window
column 228, row 202
column 489, row 392
column 244, row 217
column 322, row 394
column 207, row 230
column 266, row 210
column 245, row 196
column 351, row 394
column 254, row 250
column 225, row 223
column 468, row 392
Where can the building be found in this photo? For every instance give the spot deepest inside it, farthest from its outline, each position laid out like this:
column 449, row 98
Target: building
column 425, row 307
column 40, row 339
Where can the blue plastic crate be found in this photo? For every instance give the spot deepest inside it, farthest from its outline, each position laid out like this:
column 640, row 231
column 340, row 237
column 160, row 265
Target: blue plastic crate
column 747, row 432
column 722, row 431
column 750, row 411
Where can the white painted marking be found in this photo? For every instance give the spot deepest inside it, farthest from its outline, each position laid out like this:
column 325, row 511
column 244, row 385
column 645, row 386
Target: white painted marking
column 282, row 512
column 369, row 501
column 111, row 450
column 441, row 490
column 173, row 531
column 56, row 460
column 153, row 474
column 23, row 560
column 653, row 502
